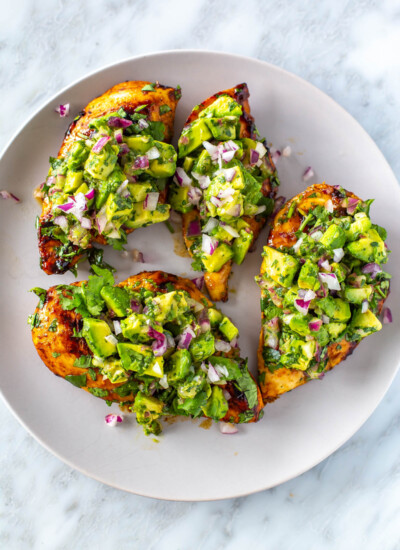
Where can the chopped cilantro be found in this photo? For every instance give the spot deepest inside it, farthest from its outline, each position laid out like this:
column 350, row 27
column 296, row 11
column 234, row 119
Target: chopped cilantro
column 164, row 109
column 149, row 87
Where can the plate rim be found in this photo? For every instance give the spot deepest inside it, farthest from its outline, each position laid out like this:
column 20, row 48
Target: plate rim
column 242, row 58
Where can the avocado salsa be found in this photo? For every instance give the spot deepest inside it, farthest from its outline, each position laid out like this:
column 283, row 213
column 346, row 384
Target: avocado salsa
column 176, row 355
column 108, row 183
column 328, row 287
column 221, row 175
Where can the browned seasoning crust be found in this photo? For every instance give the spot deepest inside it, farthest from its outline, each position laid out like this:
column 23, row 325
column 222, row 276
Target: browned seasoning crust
column 70, row 348
column 217, row 282
column 128, row 96
column 283, row 234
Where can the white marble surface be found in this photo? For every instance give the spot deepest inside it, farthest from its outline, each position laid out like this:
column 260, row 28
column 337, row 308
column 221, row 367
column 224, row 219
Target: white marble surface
column 350, row 50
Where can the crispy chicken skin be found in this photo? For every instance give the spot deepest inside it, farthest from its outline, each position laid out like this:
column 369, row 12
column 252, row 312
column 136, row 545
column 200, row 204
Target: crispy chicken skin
column 283, row 234
column 69, row 348
column 128, row 96
column 217, row 282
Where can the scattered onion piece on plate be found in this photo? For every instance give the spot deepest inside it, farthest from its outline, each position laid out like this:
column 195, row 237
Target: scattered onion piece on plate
column 308, row 173
column 112, row 419
column 7, row 195
column 63, row 110
column 387, row 316
column 228, row 428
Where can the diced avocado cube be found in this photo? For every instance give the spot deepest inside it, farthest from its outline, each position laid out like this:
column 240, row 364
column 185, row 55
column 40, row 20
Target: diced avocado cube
column 335, row 329
column 223, row 128
column 238, row 182
column 221, row 234
column 300, row 355
column 178, row 197
column 214, row 316
column 147, row 403
column 203, row 164
column 279, row 266
column 364, row 324
column 135, row 327
column 188, row 164
column 139, row 144
column 334, row 237
column 222, row 254
column 193, row 136
column 167, row 307
column 228, row 329
column 140, row 359
column 298, row 323
column 78, row 154
column 100, row 165
column 140, row 217
column 118, row 208
column 358, row 295
column 335, row 308
column 179, row 363
column 139, row 190
column 95, row 332
column 202, row 347
column 241, row 245
column 148, row 409
column 223, row 106
column 114, row 371
column 361, row 224
column 369, row 248
column 73, row 181
column 83, row 188
column 308, row 276
column 165, row 165
column 217, row 404
column 117, row 299
column 290, row 296
column 109, row 185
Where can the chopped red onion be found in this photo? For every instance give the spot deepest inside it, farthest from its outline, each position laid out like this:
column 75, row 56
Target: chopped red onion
column 137, row 256
column 210, row 225
column 61, row 221
column 216, row 202
column 275, row 154
column 97, row 147
column 221, row 345
column 66, row 206
column 330, row 280
column 118, row 122
column 227, row 156
column 204, row 181
column 261, row 150
column 124, row 150
column 142, row 123
column 151, row 201
column 226, row 193
column 141, row 163
column 373, row 269
column 209, row 244
column 205, row 326
column 181, row 178
column 153, row 153
column 306, row 294
column 7, row 195
column 159, row 346
column 387, row 316
column 90, row 194
column 229, row 173
column 117, row 327
column 122, row 187
column 164, row 382
column 227, row 395
column 212, row 374
column 261, row 209
column 101, row 220
column 228, row 428
column 279, row 202
column 324, row 264
column 302, row 306
column 329, row 206
column 338, row 254
column 325, row 319
column 199, row 282
column 170, row 340
column 364, row 306
column 210, row 148
column 194, row 228
column 63, row 110
column 185, row 338
column 352, row 203
column 271, row 340
column 234, row 211
column 111, row 339
column 231, row 230
column 254, row 156
column 112, row 419
column 286, row 151
column 230, row 145
column 298, row 244
column 194, row 195
column 308, row 173
column 136, row 307
column 315, row 325
column 86, row 223
column 118, row 134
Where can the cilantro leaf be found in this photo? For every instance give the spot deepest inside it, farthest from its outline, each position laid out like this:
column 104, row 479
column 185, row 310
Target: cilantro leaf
column 83, row 362
column 149, row 87
column 41, row 294
column 164, row 109
column 77, row 380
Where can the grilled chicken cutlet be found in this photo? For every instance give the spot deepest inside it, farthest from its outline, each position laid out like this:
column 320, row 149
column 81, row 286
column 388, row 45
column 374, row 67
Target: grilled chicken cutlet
column 322, row 286
column 153, row 342
column 224, row 186
column 110, row 175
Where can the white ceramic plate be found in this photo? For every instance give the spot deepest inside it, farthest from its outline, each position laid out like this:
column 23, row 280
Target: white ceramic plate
column 191, row 463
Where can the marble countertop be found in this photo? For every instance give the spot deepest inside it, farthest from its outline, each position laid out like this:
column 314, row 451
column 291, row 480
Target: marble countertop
column 349, row 49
